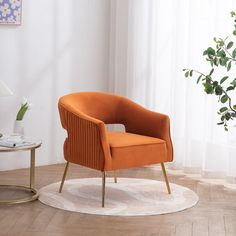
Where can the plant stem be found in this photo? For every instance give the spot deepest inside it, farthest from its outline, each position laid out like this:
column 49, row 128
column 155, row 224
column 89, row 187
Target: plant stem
column 229, row 98
column 231, row 57
column 225, row 48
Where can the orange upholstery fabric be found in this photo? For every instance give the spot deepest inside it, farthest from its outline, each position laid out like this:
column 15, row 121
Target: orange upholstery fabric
column 84, row 116
column 132, row 150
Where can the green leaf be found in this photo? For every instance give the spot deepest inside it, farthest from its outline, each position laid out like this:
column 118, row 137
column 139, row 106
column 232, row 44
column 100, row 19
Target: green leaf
column 223, row 79
column 230, row 88
column 221, row 62
column 223, row 109
column 229, row 66
column 221, row 42
column 208, row 79
column 21, row 112
column 234, row 32
column 227, row 116
column 186, row 74
column 208, row 88
column 233, row 82
column 234, row 53
column 216, row 63
column 221, row 53
column 220, row 123
column 211, row 51
column 218, row 90
column 226, row 129
column 224, row 61
column 224, row 99
column 230, row 45
column 211, row 72
column 234, row 107
column 232, row 13
column 191, row 73
column 199, row 79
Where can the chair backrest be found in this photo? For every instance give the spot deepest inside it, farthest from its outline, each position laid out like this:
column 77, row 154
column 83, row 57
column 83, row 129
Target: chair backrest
column 101, row 106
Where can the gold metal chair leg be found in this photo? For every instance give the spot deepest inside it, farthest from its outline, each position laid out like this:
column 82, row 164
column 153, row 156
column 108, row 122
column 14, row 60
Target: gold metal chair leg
column 115, row 176
column 166, row 178
column 64, row 176
column 103, row 187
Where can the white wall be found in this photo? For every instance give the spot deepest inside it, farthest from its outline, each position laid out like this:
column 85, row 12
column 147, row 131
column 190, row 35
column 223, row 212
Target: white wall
column 61, row 47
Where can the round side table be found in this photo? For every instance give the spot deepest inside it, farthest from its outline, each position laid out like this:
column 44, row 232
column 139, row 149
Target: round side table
column 29, row 188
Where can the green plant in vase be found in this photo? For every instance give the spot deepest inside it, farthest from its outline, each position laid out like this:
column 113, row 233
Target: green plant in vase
column 19, row 126
column 23, row 109
column 223, row 54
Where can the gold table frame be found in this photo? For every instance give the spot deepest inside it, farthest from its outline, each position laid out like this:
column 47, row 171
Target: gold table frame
column 29, row 188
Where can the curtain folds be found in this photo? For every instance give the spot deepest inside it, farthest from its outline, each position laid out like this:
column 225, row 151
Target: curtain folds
column 150, row 43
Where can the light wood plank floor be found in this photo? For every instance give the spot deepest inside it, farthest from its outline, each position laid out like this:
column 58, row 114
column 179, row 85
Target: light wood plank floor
column 214, row 215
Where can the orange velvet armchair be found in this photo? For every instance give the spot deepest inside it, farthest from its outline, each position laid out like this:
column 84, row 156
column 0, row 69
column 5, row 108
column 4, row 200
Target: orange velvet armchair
column 146, row 139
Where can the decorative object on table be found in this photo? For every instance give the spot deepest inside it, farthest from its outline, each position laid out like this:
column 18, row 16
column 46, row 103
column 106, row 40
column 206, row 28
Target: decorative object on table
column 222, row 55
column 10, row 12
column 129, row 197
column 14, row 141
column 4, row 91
column 19, row 124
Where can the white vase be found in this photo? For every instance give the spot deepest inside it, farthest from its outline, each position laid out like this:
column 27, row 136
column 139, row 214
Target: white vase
column 19, row 127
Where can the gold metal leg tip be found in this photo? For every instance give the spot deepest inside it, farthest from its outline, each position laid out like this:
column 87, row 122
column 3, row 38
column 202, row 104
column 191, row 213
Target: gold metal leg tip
column 166, row 178
column 64, row 177
column 115, row 176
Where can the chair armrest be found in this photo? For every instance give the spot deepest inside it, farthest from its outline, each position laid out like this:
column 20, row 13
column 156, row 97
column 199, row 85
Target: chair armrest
column 142, row 121
column 86, row 143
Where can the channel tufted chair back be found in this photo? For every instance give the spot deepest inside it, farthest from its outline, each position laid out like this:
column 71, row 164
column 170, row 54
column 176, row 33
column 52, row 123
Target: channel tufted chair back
column 146, row 139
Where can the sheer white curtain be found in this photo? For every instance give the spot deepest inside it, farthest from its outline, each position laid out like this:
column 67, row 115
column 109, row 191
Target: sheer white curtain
column 150, row 43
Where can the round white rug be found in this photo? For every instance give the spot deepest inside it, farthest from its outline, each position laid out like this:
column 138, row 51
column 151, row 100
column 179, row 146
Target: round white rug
column 128, row 197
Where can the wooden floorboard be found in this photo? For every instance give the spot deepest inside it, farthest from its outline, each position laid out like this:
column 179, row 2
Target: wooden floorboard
column 214, row 215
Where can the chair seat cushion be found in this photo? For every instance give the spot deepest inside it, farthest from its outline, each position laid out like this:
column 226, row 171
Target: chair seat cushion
column 133, row 150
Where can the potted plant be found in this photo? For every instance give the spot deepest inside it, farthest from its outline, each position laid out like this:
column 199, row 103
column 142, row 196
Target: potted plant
column 19, row 125
column 223, row 54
